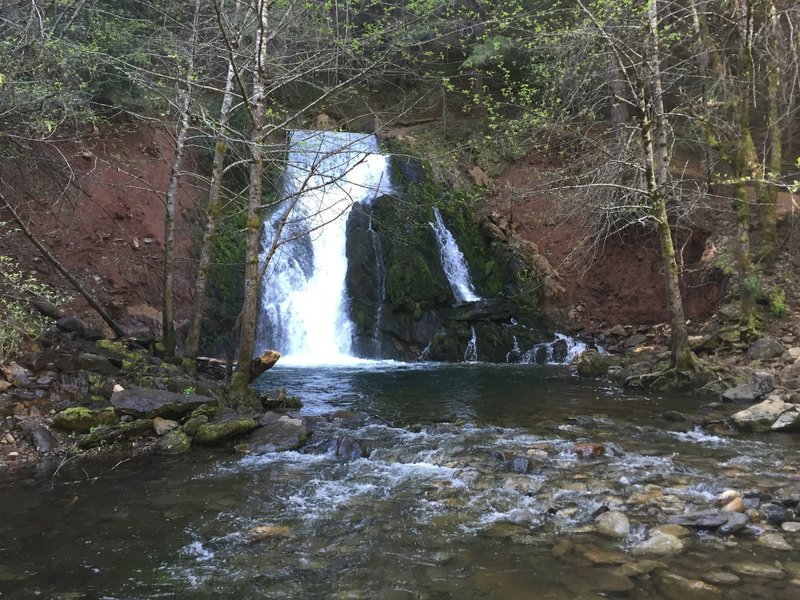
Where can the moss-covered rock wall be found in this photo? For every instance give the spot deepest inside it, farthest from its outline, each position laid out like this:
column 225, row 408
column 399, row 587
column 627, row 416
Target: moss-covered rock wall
column 400, row 301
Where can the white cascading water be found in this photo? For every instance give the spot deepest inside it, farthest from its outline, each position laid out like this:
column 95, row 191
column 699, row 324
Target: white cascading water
column 303, row 296
column 453, row 263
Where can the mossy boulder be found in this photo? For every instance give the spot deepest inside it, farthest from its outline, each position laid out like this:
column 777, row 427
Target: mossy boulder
column 78, row 419
column 592, row 364
column 219, row 432
column 174, row 442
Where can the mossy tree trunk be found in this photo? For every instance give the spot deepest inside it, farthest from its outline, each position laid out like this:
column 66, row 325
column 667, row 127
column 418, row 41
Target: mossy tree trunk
column 746, row 169
column 258, row 107
column 768, row 190
column 213, row 211
column 654, row 140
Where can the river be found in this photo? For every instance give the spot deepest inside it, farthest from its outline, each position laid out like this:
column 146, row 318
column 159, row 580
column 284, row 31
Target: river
column 432, row 513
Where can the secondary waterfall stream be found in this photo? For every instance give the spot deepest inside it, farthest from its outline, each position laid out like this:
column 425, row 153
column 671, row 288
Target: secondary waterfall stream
column 453, row 263
column 303, row 302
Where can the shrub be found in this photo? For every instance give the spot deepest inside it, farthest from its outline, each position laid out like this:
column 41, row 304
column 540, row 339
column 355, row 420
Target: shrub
column 19, row 322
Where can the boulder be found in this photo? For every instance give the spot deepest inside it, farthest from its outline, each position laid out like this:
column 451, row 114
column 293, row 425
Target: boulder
column 592, row 364
column 765, row 349
column 144, row 402
column 96, row 364
column 227, row 428
column 279, row 434
column 759, row 385
column 39, row 436
column 77, row 419
column 635, row 340
column 761, row 416
column 613, row 524
column 174, row 442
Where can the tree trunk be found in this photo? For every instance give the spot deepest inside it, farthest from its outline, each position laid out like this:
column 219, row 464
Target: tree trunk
column 168, row 300
column 747, row 168
column 654, row 138
column 241, row 378
column 768, row 189
column 213, row 213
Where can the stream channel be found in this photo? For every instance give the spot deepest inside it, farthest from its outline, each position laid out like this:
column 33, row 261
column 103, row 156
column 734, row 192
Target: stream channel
column 432, row 513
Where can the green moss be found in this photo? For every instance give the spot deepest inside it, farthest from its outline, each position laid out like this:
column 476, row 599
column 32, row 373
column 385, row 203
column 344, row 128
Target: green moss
column 76, row 418
column 219, row 432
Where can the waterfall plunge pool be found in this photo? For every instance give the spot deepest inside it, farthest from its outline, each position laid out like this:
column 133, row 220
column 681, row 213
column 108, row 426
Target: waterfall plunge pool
column 431, row 514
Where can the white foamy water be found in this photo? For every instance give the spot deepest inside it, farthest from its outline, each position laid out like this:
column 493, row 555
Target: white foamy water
column 303, row 297
column 455, row 267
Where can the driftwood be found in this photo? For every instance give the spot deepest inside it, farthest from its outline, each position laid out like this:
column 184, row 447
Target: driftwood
column 217, row 366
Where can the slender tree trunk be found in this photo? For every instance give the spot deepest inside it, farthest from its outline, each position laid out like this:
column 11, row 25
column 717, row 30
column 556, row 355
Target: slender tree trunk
column 168, row 300
column 768, row 190
column 241, row 378
column 747, row 168
column 654, row 138
column 213, row 214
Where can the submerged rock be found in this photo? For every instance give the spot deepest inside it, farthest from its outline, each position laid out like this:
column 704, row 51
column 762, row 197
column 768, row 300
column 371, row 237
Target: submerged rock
column 676, row 587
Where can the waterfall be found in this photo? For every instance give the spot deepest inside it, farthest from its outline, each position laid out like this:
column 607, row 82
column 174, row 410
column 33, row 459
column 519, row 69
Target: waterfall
column 471, row 353
column 303, row 300
column 562, row 350
column 455, row 267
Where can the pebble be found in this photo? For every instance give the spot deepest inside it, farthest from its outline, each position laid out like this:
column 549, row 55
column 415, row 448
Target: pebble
column 679, row 531
column 736, row 505
column 8, row 439
column 13, row 455
column 791, row 526
column 675, row 587
column 601, row 556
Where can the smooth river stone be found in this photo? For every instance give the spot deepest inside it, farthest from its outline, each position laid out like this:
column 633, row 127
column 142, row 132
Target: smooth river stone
column 661, row 544
column 791, row 527
column 613, row 524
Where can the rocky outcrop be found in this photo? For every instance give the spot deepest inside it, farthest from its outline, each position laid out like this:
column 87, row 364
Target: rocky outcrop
column 143, row 402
